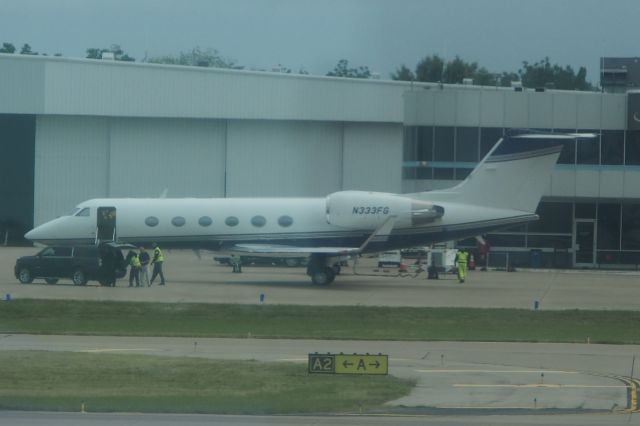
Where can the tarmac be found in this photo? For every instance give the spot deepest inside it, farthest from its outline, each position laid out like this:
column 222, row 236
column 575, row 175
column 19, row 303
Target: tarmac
column 452, row 377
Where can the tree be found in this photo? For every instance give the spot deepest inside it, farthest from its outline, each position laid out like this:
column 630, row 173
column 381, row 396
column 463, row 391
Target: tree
column 430, row 69
column 118, row 53
column 544, row 74
column 8, row 48
column 197, row 57
column 457, row 70
column 26, row 50
column 403, row 74
column 342, row 70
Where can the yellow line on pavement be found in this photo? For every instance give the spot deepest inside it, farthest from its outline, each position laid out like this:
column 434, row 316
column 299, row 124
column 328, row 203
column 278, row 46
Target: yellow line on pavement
column 535, row 385
column 499, row 371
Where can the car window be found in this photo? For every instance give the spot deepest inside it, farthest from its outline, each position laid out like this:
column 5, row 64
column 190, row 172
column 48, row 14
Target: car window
column 63, row 251
column 85, row 252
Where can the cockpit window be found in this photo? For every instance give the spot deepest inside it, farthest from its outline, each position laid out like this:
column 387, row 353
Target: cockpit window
column 83, row 212
column 75, row 210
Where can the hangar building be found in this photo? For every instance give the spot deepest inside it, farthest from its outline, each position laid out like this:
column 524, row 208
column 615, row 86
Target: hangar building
column 73, row 129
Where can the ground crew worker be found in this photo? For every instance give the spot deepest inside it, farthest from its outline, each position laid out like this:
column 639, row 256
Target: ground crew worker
column 144, row 267
column 134, row 273
column 462, row 260
column 157, row 261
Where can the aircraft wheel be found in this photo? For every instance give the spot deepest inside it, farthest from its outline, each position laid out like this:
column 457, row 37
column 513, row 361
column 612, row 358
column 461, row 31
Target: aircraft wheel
column 24, row 276
column 323, row 276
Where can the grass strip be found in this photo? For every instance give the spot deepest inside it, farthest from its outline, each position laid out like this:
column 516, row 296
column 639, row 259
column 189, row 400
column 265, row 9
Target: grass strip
column 63, row 381
column 317, row 322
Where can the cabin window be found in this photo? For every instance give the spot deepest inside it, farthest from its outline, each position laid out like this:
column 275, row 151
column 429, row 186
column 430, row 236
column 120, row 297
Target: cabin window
column 178, row 221
column 84, row 212
column 231, row 221
column 151, row 221
column 258, row 221
column 205, row 221
column 285, row 221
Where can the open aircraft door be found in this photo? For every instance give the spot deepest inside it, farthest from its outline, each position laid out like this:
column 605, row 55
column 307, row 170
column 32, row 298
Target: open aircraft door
column 106, row 224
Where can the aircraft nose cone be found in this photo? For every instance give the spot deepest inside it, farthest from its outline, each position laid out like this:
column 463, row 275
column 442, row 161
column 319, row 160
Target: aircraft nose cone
column 30, row 235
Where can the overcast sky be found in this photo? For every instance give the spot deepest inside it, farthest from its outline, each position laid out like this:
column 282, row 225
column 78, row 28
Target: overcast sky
column 315, row 34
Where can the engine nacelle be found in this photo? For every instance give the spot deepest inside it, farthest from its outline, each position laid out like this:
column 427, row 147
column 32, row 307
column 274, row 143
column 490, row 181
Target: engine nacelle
column 368, row 210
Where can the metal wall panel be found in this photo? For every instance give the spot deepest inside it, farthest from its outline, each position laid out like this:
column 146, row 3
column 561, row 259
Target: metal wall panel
column 631, row 187
column 445, row 107
column 468, row 107
column 71, row 156
column 93, row 87
column 540, row 110
column 419, row 108
column 492, row 108
column 611, row 184
column 283, row 158
column 587, row 183
column 565, row 110
column 147, row 156
column 563, row 183
column 372, row 157
column 589, row 110
column 516, row 109
column 614, row 111
column 21, row 85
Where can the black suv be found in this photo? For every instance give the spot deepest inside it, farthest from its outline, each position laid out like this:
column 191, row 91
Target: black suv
column 78, row 263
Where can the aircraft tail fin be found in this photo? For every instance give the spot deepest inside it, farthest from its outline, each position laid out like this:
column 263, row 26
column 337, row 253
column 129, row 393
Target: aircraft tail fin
column 513, row 175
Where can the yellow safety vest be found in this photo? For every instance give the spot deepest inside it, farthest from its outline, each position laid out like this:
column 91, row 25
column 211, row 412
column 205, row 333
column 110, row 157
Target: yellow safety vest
column 157, row 255
column 463, row 256
column 135, row 261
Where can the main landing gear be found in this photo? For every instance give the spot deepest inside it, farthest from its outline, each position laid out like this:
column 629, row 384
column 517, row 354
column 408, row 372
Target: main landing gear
column 322, row 270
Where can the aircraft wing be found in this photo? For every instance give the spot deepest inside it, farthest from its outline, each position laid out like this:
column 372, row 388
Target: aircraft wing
column 289, row 251
column 380, row 234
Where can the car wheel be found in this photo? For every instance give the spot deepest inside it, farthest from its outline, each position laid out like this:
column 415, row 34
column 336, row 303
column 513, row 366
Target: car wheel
column 24, row 276
column 51, row 280
column 78, row 277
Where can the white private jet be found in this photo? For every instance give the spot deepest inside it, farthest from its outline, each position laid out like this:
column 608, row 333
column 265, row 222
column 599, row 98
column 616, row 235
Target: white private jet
column 503, row 190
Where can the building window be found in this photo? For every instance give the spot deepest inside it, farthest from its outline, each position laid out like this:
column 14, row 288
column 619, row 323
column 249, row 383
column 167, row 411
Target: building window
column 410, row 143
column 568, row 153
column 609, row 226
column 489, row 136
column 585, row 211
column 424, row 173
column 231, row 221
column 588, row 149
column 554, row 218
column 178, row 221
column 443, row 173
column 612, row 147
column 151, row 221
column 443, row 148
column 258, row 221
column 632, row 148
column 424, row 147
column 205, row 221
column 285, row 221
column 631, row 227
column 467, row 141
